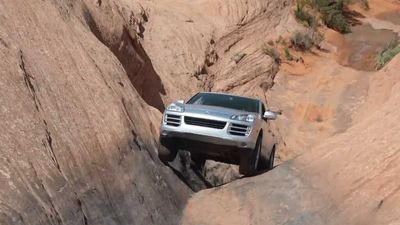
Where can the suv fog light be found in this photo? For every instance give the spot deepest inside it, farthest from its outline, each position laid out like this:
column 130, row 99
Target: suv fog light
column 164, row 133
column 248, row 130
column 243, row 144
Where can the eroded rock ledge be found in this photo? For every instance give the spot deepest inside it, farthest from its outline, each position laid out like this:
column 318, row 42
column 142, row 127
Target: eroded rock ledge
column 78, row 139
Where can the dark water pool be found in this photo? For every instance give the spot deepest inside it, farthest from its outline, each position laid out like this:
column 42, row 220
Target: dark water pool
column 393, row 16
column 363, row 45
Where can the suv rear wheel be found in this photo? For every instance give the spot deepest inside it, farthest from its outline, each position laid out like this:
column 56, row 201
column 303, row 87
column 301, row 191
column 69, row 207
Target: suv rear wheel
column 266, row 161
column 271, row 159
column 249, row 162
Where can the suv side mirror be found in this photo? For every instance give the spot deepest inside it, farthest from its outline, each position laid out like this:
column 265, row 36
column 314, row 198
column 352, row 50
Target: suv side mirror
column 181, row 101
column 268, row 115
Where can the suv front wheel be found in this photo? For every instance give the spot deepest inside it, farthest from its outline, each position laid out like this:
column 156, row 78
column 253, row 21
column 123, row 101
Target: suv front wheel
column 249, row 162
column 166, row 151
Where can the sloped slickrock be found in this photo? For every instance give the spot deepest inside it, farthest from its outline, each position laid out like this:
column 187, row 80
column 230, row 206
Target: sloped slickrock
column 352, row 178
column 82, row 85
column 213, row 46
column 77, row 141
column 195, row 42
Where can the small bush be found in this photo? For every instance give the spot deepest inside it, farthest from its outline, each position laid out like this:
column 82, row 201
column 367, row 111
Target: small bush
column 387, row 54
column 335, row 20
column 288, row 55
column 272, row 53
column 302, row 41
column 333, row 17
column 333, row 13
column 305, row 17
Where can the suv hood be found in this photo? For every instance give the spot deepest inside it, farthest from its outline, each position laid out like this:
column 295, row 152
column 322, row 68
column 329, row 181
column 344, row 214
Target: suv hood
column 214, row 111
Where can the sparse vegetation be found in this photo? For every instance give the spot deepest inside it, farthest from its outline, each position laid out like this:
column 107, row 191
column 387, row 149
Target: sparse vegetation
column 302, row 41
column 332, row 12
column 304, row 16
column 387, row 54
column 273, row 53
column 288, row 55
column 333, row 15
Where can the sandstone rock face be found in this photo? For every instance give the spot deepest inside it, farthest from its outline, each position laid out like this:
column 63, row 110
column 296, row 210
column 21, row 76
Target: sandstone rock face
column 214, row 46
column 77, row 138
column 193, row 44
column 83, row 84
column 341, row 124
column 351, row 178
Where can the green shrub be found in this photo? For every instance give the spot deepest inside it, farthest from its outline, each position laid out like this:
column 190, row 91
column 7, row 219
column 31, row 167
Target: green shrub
column 333, row 16
column 302, row 41
column 272, row 53
column 333, row 13
column 305, row 17
column 335, row 20
column 288, row 55
column 387, row 54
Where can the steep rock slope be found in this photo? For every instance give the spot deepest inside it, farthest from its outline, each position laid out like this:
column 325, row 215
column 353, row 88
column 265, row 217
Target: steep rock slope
column 322, row 96
column 82, row 85
column 351, row 178
column 220, row 50
column 318, row 104
column 213, row 45
column 77, row 140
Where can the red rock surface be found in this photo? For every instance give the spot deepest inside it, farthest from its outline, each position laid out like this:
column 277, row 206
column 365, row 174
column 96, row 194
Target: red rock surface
column 83, row 83
column 77, row 139
column 350, row 178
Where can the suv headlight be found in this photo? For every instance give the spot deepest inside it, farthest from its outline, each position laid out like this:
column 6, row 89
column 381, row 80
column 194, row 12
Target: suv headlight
column 244, row 117
column 175, row 108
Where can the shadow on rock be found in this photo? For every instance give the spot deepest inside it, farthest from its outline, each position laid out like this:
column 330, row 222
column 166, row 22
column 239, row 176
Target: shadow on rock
column 133, row 58
column 189, row 173
column 209, row 174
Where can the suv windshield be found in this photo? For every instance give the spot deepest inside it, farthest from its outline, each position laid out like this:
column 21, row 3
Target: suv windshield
column 226, row 101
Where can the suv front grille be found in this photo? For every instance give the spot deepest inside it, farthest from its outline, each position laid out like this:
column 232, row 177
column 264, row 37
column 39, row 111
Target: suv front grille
column 173, row 120
column 204, row 122
column 238, row 129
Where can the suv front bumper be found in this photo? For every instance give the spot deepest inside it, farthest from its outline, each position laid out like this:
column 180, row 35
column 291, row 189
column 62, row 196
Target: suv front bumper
column 209, row 135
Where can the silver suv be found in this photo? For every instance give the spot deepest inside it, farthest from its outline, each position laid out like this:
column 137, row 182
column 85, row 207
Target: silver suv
column 221, row 127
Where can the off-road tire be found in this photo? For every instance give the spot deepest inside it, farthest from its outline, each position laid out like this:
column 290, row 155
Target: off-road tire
column 167, row 153
column 198, row 163
column 267, row 159
column 271, row 158
column 249, row 162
